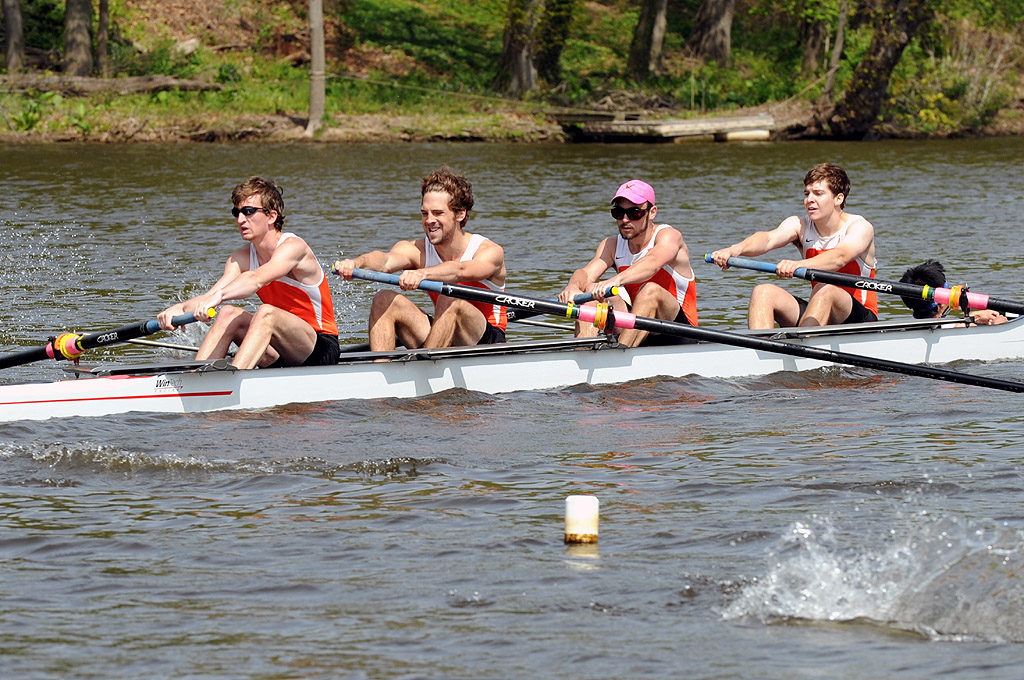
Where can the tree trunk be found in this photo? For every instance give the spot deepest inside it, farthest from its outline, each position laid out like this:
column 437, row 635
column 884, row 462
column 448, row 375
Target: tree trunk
column 15, row 36
column 102, row 35
column 551, row 36
column 815, row 33
column 712, row 31
column 856, row 114
column 78, row 38
column 645, row 52
column 517, row 72
column 317, row 68
column 837, row 50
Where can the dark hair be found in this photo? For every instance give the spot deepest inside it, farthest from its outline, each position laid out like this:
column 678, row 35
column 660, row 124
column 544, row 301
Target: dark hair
column 270, row 196
column 929, row 273
column 458, row 188
column 833, row 175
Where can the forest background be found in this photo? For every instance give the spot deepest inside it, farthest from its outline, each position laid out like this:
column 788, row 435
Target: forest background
column 163, row 70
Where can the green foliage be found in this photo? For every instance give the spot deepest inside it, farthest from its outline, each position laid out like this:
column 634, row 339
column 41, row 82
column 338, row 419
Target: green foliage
column 162, row 59
column 459, row 41
column 34, row 107
column 43, row 24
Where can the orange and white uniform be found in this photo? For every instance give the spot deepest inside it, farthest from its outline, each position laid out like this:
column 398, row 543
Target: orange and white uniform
column 684, row 289
column 812, row 243
column 312, row 304
column 495, row 314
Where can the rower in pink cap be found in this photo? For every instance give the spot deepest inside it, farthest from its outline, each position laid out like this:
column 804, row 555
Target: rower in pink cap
column 649, row 260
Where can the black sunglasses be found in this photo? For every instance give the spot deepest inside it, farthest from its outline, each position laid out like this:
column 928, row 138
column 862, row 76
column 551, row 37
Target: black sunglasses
column 634, row 213
column 248, row 211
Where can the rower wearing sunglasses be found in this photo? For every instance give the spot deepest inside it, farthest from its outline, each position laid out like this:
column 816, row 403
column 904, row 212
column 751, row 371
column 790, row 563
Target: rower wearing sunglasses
column 295, row 325
column 650, row 260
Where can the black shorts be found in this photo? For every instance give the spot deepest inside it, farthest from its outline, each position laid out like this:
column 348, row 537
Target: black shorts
column 660, row 339
column 492, row 336
column 858, row 314
column 325, row 352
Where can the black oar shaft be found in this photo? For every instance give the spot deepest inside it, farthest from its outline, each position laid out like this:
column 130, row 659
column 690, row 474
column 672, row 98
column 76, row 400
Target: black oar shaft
column 80, row 344
column 624, row 320
column 954, row 297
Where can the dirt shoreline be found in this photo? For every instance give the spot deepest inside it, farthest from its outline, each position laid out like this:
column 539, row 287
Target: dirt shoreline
column 496, row 127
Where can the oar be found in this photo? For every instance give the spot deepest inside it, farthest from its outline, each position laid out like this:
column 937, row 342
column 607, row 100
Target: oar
column 70, row 345
column 604, row 317
column 521, row 314
column 956, row 297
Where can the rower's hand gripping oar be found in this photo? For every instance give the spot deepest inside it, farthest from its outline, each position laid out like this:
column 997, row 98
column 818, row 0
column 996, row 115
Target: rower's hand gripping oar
column 514, row 314
column 70, row 346
column 957, row 297
column 604, row 317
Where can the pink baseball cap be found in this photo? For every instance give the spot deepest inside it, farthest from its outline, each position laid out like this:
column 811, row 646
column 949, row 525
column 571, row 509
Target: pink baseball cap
column 636, row 191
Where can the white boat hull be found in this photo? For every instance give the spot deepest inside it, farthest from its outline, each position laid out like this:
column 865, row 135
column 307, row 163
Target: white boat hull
column 493, row 369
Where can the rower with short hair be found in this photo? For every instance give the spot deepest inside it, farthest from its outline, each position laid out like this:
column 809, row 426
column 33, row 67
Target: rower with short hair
column 828, row 238
column 651, row 262
column 932, row 273
column 448, row 254
column 295, row 325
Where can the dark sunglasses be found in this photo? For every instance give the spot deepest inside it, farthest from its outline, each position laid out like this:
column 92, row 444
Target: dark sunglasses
column 633, row 213
column 248, row 211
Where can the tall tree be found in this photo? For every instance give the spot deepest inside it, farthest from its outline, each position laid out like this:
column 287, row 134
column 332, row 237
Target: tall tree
column 14, row 36
column 552, row 33
column 837, row 50
column 712, row 31
column 317, row 68
column 895, row 25
column 102, row 38
column 645, row 51
column 78, row 37
column 517, row 70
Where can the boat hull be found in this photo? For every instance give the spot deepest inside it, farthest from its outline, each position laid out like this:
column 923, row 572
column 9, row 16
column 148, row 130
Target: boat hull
column 492, row 369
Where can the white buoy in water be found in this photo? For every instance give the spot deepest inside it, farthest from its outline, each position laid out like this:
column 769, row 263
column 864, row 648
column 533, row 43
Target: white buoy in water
column 581, row 519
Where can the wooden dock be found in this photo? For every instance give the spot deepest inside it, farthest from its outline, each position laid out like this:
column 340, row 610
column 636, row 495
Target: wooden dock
column 632, row 128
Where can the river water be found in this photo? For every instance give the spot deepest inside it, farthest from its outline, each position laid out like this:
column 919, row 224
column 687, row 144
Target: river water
column 839, row 523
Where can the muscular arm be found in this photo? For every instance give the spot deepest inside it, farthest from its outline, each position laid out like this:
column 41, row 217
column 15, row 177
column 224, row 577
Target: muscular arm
column 761, row 242
column 668, row 249
column 857, row 242
column 488, row 263
column 403, row 255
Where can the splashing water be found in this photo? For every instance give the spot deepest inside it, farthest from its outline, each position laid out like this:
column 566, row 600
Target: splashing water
column 943, row 578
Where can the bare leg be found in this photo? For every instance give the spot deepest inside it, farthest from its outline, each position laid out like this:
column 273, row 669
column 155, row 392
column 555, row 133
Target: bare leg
column 229, row 326
column 458, row 324
column 275, row 334
column 769, row 304
column 653, row 302
column 394, row 318
column 828, row 305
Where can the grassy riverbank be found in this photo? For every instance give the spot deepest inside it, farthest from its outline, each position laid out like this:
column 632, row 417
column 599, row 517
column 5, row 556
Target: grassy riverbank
column 406, row 70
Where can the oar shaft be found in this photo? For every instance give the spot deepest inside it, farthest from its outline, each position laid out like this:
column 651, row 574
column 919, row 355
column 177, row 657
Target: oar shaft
column 945, row 296
column 514, row 313
column 628, row 320
column 74, row 344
